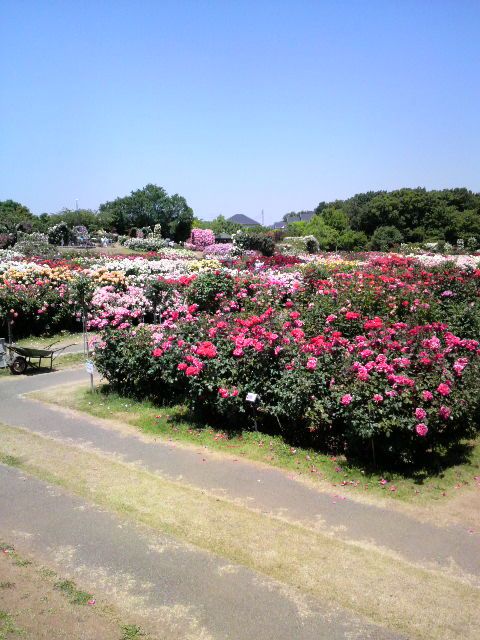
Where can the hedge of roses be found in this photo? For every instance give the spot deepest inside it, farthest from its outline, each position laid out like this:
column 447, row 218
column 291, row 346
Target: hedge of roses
column 378, row 357
column 361, row 360
column 38, row 296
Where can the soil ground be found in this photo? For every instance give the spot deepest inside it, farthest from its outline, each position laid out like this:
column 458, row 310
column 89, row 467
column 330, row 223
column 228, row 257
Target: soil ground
column 34, row 608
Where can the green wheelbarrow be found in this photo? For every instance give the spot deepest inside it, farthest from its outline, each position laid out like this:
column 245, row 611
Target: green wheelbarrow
column 20, row 358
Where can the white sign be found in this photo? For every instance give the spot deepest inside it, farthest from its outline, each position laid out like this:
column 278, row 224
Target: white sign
column 89, row 367
column 3, row 354
column 251, row 397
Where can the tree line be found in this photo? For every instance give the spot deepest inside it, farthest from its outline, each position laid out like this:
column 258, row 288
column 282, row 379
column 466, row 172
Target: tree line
column 375, row 219
column 142, row 208
column 381, row 219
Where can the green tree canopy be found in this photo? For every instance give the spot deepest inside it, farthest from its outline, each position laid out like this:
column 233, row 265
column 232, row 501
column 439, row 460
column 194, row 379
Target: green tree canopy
column 12, row 214
column 147, row 207
column 384, row 238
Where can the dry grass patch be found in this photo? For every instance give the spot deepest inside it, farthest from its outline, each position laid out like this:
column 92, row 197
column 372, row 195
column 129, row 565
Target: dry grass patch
column 452, row 496
column 389, row 591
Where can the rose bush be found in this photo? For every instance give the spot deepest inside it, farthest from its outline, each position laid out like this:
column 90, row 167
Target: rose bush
column 376, row 356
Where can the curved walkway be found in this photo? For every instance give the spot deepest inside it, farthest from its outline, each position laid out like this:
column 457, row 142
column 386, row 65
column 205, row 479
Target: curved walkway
column 259, row 487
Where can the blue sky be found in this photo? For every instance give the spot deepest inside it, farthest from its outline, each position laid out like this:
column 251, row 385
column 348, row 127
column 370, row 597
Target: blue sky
column 239, row 106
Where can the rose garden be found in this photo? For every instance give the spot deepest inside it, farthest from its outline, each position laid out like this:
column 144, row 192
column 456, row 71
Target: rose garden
column 244, row 389
column 373, row 357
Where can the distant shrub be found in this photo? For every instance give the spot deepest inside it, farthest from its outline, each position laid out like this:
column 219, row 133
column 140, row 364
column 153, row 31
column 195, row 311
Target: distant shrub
column 384, row 238
column 302, row 244
column 35, row 244
column 262, row 242
column 153, row 243
column 60, row 234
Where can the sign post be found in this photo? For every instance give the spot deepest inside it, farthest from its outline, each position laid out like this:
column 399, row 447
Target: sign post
column 90, row 368
column 3, row 354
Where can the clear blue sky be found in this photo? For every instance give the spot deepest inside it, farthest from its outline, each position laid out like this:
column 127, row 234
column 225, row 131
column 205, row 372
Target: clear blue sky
column 236, row 105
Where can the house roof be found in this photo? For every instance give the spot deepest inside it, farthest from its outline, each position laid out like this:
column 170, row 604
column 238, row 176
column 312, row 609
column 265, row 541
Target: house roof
column 305, row 216
column 279, row 225
column 239, row 218
column 302, row 216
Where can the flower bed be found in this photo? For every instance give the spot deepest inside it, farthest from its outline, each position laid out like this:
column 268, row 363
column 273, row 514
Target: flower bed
column 374, row 357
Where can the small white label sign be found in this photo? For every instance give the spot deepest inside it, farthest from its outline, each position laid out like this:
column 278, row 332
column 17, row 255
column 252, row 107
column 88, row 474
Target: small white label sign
column 89, row 367
column 251, row 397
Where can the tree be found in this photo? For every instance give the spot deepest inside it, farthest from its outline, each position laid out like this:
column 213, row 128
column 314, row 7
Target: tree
column 351, row 240
column 147, row 207
column 327, row 236
column 335, row 218
column 73, row 218
column 12, row 214
column 467, row 224
column 180, row 218
column 386, row 237
column 320, row 207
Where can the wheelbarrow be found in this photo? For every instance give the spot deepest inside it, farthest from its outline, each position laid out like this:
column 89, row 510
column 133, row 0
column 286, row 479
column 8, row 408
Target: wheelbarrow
column 20, row 358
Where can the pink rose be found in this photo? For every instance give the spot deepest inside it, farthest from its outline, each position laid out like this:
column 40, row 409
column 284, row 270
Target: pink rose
column 427, row 396
column 421, row 429
column 443, row 389
column 311, row 364
column 378, row 398
column 444, row 412
column 420, row 414
column 346, row 399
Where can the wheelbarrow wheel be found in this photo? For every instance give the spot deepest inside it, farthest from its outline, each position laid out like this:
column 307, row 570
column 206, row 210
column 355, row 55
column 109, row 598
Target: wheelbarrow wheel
column 18, row 366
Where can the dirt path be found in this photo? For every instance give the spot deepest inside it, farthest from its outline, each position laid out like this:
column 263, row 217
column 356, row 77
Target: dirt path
column 36, row 604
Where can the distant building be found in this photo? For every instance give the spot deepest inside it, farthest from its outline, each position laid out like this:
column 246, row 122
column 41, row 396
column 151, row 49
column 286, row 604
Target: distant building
column 245, row 221
column 301, row 216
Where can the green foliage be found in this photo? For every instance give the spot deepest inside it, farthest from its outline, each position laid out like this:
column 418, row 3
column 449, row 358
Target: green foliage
column 218, row 225
column 88, row 218
column 60, row 234
column 351, row 240
column 148, row 207
column 8, row 627
column 152, row 243
column 131, row 631
column 326, row 236
column 384, row 238
column 302, row 244
column 35, row 244
column 335, row 218
column 75, row 596
column 12, row 214
column 419, row 215
column 81, row 292
column 209, row 289
column 253, row 240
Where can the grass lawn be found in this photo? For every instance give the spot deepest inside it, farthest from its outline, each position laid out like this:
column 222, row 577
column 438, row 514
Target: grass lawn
column 174, row 424
column 61, row 339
